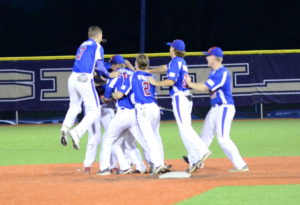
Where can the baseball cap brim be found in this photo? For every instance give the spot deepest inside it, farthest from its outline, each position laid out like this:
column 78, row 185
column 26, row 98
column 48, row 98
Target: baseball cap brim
column 169, row 44
column 206, row 53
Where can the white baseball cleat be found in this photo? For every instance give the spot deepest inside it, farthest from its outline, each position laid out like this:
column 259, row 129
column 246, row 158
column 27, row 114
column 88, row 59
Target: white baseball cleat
column 206, row 156
column 243, row 169
column 200, row 163
column 75, row 139
column 126, row 171
column 160, row 170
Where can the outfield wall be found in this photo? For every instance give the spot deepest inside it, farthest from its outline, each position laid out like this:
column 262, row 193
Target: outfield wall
column 258, row 77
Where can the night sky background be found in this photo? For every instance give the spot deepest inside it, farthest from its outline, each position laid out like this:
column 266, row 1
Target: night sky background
column 57, row 27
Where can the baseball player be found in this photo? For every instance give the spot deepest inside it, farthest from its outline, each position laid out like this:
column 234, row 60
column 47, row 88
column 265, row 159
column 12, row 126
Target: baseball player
column 148, row 113
column 124, row 119
column 81, row 88
column 177, row 73
column 94, row 138
column 107, row 113
column 219, row 118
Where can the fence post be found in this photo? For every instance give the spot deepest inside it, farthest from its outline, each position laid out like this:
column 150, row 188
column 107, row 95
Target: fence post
column 17, row 117
column 261, row 111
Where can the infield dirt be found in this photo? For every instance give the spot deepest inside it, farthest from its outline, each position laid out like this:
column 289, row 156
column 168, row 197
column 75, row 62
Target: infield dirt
column 64, row 184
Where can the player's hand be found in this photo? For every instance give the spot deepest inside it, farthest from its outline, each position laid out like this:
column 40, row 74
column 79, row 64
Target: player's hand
column 114, row 74
column 129, row 65
column 152, row 81
column 188, row 80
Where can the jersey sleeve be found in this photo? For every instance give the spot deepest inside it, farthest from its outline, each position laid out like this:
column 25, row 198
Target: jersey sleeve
column 110, row 86
column 216, row 81
column 101, row 69
column 101, row 52
column 98, row 52
column 173, row 71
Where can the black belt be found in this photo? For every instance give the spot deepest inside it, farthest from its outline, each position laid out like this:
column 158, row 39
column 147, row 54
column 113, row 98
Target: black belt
column 189, row 97
column 219, row 104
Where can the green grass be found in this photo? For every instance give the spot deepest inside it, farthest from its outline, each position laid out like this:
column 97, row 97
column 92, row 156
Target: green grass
column 253, row 138
column 37, row 144
column 248, row 195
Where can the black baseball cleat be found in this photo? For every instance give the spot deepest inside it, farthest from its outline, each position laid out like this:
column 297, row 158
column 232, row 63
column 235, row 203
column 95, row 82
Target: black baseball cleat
column 63, row 138
column 186, row 159
column 103, row 172
column 169, row 166
column 75, row 139
column 138, row 172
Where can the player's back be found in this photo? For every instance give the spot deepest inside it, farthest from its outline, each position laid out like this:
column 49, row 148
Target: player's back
column 143, row 91
column 178, row 72
column 86, row 56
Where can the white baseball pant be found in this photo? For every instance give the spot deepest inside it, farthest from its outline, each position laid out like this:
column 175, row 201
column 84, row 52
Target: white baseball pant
column 81, row 89
column 218, row 122
column 182, row 109
column 148, row 118
column 94, row 137
column 123, row 120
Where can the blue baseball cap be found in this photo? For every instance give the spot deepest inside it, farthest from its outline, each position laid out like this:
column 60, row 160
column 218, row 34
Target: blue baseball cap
column 177, row 44
column 117, row 59
column 216, row 51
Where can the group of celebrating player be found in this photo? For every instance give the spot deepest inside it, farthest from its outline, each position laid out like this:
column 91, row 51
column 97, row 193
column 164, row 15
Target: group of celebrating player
column 137, row 116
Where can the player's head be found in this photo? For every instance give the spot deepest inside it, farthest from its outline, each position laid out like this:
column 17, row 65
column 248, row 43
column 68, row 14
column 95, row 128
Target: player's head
column 95, row 33
column 141, row 62
column 177, row 48
column 117, row 61
column 214, row 57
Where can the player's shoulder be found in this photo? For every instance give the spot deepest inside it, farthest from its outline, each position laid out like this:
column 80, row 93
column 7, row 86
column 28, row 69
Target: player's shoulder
column 177, row 60
column 225, row 70
column 141, row 75
column 145, row 73
column 129, row 71
column 220, row 72
column 88, row 42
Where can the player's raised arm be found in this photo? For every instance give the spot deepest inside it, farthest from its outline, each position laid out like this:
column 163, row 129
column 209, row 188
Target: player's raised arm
column 158, row 69
column 129, row 65
column 102, row 70
column 164, row 83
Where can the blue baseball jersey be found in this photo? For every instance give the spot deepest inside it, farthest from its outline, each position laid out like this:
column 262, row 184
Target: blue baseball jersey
column 178, row 72
column 219, row 84
column 126, row 72
column 101, row 52
column 144, row 92
column 119, row 84
column 86, row 56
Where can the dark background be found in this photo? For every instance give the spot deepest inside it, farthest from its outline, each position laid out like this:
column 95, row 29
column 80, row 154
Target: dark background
column 57, row 27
